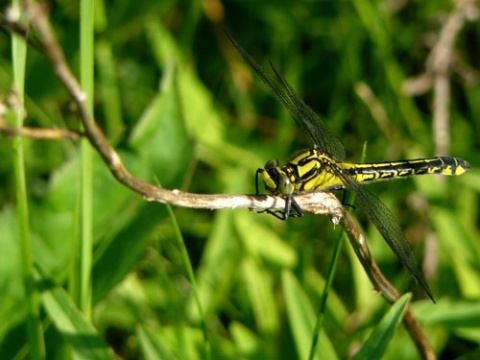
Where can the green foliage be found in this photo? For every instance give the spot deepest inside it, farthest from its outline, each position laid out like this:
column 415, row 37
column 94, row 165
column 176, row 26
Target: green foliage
column 77, row 332
column 184, row 111
column 376, row 344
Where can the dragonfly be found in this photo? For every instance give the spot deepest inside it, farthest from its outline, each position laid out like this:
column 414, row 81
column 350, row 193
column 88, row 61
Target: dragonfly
column 322, row 168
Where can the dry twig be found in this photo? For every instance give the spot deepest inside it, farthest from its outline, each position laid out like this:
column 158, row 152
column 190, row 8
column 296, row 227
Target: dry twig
column 439, row 63
column 439, row 66
column 36, row 133
column 382, row 285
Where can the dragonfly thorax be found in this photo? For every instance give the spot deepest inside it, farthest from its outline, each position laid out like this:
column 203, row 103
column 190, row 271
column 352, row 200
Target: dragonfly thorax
column 314, row 170
column 309, row 170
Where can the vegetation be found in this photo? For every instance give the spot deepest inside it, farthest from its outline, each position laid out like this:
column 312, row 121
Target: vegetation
column 183, row 110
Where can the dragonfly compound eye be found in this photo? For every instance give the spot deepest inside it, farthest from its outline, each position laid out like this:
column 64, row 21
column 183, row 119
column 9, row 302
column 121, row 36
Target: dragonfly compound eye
column 271, row 164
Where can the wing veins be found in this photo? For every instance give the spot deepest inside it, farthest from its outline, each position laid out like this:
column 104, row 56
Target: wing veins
column 313, row 127
column 388, row 227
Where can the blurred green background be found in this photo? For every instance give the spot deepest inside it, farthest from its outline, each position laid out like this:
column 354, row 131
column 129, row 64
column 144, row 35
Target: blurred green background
column 182, row 108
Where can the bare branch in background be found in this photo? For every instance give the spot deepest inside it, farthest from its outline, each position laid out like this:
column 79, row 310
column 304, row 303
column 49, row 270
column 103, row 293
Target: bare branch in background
column 440, row 64
column 37, row 133
column 10, row 21
column 376, row 109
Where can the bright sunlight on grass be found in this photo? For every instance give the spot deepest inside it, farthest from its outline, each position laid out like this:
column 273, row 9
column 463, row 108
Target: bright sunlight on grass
column 91, row 269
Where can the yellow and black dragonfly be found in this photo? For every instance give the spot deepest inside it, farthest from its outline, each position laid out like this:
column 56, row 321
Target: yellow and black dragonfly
column 322, row 168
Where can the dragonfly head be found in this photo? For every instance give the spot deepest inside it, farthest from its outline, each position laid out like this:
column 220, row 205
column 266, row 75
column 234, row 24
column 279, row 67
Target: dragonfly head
column 275, row 179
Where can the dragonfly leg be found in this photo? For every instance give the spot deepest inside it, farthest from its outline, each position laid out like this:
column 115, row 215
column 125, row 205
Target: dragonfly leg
column 256, row 180
column 344, row 195
column 292, row 209
column 279, row 214
column 294, row 206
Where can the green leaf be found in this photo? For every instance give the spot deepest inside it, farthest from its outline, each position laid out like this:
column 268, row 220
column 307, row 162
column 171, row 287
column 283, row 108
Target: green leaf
column 151, row 346
column 462, row 250
column 82, row 337
column 301, row 319
column 377, row 342
column 160, row 136
column 201, row 116
column 260, row 294
column 263, row 242
column 218, row 267
column 452, row 313
column 246, row 341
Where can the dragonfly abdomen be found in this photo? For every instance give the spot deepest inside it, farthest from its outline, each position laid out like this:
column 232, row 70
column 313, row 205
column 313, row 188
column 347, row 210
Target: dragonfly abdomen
column 444, row 165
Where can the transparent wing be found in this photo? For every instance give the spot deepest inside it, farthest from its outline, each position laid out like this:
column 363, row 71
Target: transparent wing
column 314, row 128
column 388, row 227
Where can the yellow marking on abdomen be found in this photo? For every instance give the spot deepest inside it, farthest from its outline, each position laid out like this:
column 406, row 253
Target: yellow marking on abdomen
column 385, row 170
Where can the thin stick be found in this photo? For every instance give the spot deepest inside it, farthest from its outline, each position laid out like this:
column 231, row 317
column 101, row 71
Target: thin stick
column 37, row 133
column 382, row 285
column 439, row 63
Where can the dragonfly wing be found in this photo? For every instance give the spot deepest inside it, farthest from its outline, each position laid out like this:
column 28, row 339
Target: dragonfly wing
column 387, row 225
column 314, row 128
column 311, row 124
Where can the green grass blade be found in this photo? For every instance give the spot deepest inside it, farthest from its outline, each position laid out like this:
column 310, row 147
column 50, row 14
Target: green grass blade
column 300, row 317
column 109, row 90
column 323, row 301
column 86, row 236
column 191, row 277
column 77, row 331
column 34, row 328
column 377, row 342
column 151, row 346
column 451, row 313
